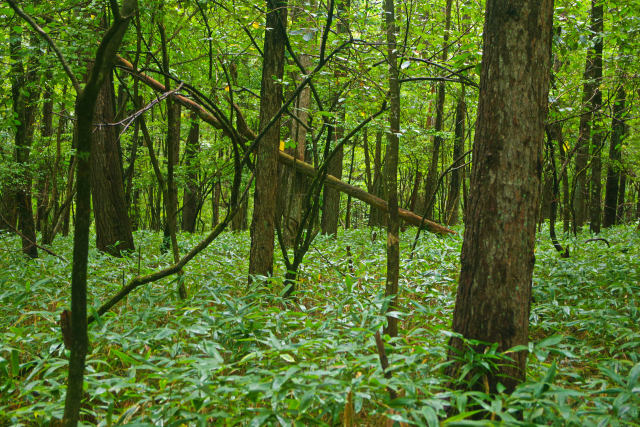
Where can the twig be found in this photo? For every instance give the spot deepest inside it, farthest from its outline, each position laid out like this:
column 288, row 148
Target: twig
column 15, row 230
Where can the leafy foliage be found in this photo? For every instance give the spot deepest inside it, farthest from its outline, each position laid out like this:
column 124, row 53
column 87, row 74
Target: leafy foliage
column 239, row 354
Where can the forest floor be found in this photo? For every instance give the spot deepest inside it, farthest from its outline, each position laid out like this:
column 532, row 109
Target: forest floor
column 238, row 354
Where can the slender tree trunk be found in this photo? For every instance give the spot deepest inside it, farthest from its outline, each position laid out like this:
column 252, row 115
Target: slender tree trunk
column 113, row 228
column 393, row 223
column 613, row 171
column 453, row 197
column 45, row 182
column 264, row 205
column 566, row 202
column 622, row 189
column 595, row 202
column 191, row 197
column 24, row 96
column 173, row 156
column 331, row 197
column 432, row 173
column 494, row 291
column 592, row 76
column 85, row 106
column 378, row 218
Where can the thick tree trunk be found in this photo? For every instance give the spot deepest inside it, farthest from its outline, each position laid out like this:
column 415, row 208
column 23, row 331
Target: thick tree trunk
column 613, row 171
column 494, row 291
column 191, row 197
column 264, row 206
column 113, row 229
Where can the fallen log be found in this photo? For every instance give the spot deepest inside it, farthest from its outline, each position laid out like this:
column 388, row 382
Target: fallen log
column 407, row 216
column 244, row 133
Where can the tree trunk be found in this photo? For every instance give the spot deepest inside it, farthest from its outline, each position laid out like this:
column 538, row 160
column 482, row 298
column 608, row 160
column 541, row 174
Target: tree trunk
column 113, row 229
column 295, row 184
column 622, row 189
column 613, row 171
column 432, row 173
column 453, row 196
column 592, row 76
column 494, row 291
column 24, row 96
column 595, row 202
column 173, row 157
column 45, row 181
column 331, row 197
column 378, row 218
column 191, row 197
column 84, row 111
column 264, row 205
column 566, row 202
column 393, row 223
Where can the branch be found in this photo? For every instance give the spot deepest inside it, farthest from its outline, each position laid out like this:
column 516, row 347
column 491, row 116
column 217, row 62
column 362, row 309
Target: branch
column 138, row 281
column 52, row 44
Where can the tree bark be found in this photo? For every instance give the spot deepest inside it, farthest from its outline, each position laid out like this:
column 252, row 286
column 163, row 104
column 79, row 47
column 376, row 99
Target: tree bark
column 393, row 223
column 613, row 171
column 595, row 202
column 264, row 205
column 113, row 228
column 494, row 291
column 378, row 218
column 24, row 96
column 191, row 196
column 432, row 173
column 85, row 106
column 592, row 76
column 622, row 189
column 453, row 196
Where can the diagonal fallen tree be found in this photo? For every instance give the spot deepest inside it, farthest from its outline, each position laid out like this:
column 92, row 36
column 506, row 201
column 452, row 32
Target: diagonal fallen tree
column 244, row 134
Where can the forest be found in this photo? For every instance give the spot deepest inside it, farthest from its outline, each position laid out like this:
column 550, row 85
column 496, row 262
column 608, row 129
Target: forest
column 320, row 212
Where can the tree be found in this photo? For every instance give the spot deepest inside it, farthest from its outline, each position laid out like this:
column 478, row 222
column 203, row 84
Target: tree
column 613, row 172
column 393, row 142
column 113, row 228
column 24, row 96
column 494, row 290
column 595, row 202
column 592, row 76
column 264, row 204
column 191, row 197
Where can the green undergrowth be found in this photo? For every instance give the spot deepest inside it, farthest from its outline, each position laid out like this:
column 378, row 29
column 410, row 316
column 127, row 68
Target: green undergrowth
column 238, row 354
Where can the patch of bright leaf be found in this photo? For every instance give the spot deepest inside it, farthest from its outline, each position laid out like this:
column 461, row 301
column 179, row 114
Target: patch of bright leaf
column 238, row 354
